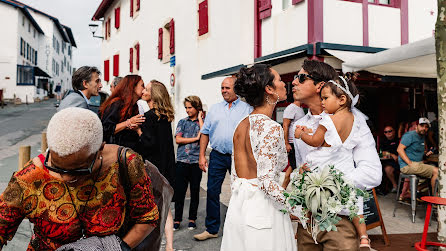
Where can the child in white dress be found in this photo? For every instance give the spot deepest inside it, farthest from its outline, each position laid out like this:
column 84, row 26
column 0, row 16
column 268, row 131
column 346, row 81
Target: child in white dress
column 334, row 138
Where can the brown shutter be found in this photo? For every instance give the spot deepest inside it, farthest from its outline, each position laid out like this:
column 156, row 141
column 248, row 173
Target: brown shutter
column 160, row 43
column 264, row 8
column 131, row 8
column 138, row 4
column 172, row 36
column 137, row 56
column 131, row 60
column 203, row 18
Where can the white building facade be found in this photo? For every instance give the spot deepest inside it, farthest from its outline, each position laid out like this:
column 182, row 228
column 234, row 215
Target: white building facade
column 210, row 39
column 28, row 55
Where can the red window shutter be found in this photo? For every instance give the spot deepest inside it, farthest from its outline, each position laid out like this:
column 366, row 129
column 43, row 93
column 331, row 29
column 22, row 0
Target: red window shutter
column 160, row 43
column 107, row 70
column 117, row 17
column 106, row 30
column 116, row 65
column 297, row 1
column 137, row 56
column 172, row 36
column 131, row 8
column 203, row 18
column 131, row 60
column 264, row 8
column 109, row 27
column 137, row 5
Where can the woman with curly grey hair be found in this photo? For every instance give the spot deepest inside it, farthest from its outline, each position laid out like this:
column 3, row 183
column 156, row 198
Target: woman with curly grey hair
column 254, row 220
column 76, row 190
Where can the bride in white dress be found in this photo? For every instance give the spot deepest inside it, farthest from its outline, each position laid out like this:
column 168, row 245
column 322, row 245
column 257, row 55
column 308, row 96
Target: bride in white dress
column 257, row 217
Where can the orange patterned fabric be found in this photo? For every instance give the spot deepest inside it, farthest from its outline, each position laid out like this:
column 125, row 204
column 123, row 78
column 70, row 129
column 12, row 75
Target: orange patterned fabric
column 45, row 200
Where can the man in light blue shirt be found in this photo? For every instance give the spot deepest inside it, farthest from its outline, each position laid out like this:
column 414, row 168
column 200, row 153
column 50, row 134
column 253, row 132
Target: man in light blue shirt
column 219, row 128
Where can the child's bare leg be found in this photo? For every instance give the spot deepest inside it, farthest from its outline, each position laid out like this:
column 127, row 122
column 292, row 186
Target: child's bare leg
column 361, row 229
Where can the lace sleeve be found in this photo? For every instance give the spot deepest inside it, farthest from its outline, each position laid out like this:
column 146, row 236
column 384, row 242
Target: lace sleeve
column 271, row 157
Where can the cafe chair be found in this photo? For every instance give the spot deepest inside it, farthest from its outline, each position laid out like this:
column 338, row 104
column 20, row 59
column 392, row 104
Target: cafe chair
column 421, row 246
column 413, row 193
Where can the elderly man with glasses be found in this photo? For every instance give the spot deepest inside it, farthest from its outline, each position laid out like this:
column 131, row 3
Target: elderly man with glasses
column 389, row 161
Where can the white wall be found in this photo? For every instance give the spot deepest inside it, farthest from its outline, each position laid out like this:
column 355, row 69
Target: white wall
column 230, row 30
column 285, row 29
column 384, row 26
column 343, row 22
column 422, row 18
column 8, row 50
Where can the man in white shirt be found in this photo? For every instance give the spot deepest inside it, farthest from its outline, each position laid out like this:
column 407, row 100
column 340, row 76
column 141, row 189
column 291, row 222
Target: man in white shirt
column 307, row 86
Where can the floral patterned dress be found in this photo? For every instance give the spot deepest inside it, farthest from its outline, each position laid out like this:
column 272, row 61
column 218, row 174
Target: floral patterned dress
column 254, row 220
column 59, row 210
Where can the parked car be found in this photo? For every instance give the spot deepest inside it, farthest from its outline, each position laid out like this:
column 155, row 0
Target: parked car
column 95, row 101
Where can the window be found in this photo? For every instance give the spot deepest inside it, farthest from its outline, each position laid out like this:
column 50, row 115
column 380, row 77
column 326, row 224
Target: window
column 107, row 28
column 29, row 27
column 385, row 2
column 54, row 66
column 61, row 66
column 25, row 75
column 57, row 46
column 117, row 17
column 203, row 26
column 54, row 42
column 166, row 36
column 107, row 70
column 21, row 47
column 23, row 21
column 35, row 57
column 135, row 6
column 116, row 65
column 27, row 51
column 34, row 31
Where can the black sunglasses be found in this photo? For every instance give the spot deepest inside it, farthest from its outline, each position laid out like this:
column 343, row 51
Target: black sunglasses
column 75, row 172
column 302, row 77
column 388, row 131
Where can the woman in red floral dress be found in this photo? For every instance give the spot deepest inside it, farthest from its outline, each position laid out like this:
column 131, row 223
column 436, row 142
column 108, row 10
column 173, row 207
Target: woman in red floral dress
column 75, row 189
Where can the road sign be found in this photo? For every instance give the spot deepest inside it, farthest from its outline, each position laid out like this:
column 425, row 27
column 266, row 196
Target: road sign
column 172, row 79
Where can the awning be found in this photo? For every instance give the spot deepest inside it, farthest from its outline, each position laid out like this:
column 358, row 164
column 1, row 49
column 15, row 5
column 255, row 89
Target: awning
column 346, row 56
column 415, row 59
column 40, row 73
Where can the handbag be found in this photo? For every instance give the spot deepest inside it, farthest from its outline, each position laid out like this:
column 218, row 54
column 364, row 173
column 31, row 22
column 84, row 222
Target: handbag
column 162, row 192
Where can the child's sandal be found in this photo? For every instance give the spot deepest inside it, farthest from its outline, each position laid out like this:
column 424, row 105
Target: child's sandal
column 365, row 246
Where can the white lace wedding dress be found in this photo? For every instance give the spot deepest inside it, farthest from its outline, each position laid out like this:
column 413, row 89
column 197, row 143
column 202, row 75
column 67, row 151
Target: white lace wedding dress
column 254, row 220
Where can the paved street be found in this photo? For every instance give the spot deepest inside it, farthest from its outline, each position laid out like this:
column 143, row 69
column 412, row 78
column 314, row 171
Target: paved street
column 22, row 125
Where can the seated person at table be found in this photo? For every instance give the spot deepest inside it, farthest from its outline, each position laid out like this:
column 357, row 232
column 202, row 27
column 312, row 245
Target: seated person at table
column 411, row 150
column 388, row 147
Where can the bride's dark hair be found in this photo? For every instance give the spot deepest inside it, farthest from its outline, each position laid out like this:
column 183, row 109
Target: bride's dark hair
column 251, row 82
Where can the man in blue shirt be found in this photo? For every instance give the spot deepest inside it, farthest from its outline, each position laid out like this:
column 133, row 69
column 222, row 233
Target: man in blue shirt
column 219, row 128
column 411, row 150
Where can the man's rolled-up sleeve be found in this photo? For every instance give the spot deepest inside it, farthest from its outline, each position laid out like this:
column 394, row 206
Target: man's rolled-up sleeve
column 368, row 171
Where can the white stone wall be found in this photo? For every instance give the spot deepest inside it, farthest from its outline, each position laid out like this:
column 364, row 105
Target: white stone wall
column 343, row 22
column 8, row 55
column 422, row 18
column 230, row 30
column 286, row 28
column 384, row 26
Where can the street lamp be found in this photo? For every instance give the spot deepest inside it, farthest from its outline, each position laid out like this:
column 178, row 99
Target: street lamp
column 93, row 29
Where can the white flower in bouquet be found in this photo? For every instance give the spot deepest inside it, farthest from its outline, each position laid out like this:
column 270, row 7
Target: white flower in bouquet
column 323, row 195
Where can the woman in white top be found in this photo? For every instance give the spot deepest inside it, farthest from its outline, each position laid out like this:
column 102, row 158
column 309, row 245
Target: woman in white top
column 254, row 220
column 336, row 136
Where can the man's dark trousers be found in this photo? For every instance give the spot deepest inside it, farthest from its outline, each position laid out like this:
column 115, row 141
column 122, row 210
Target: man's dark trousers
column 218, row 165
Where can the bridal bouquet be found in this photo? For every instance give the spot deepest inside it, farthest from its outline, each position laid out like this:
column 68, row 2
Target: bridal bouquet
column 322, row 196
